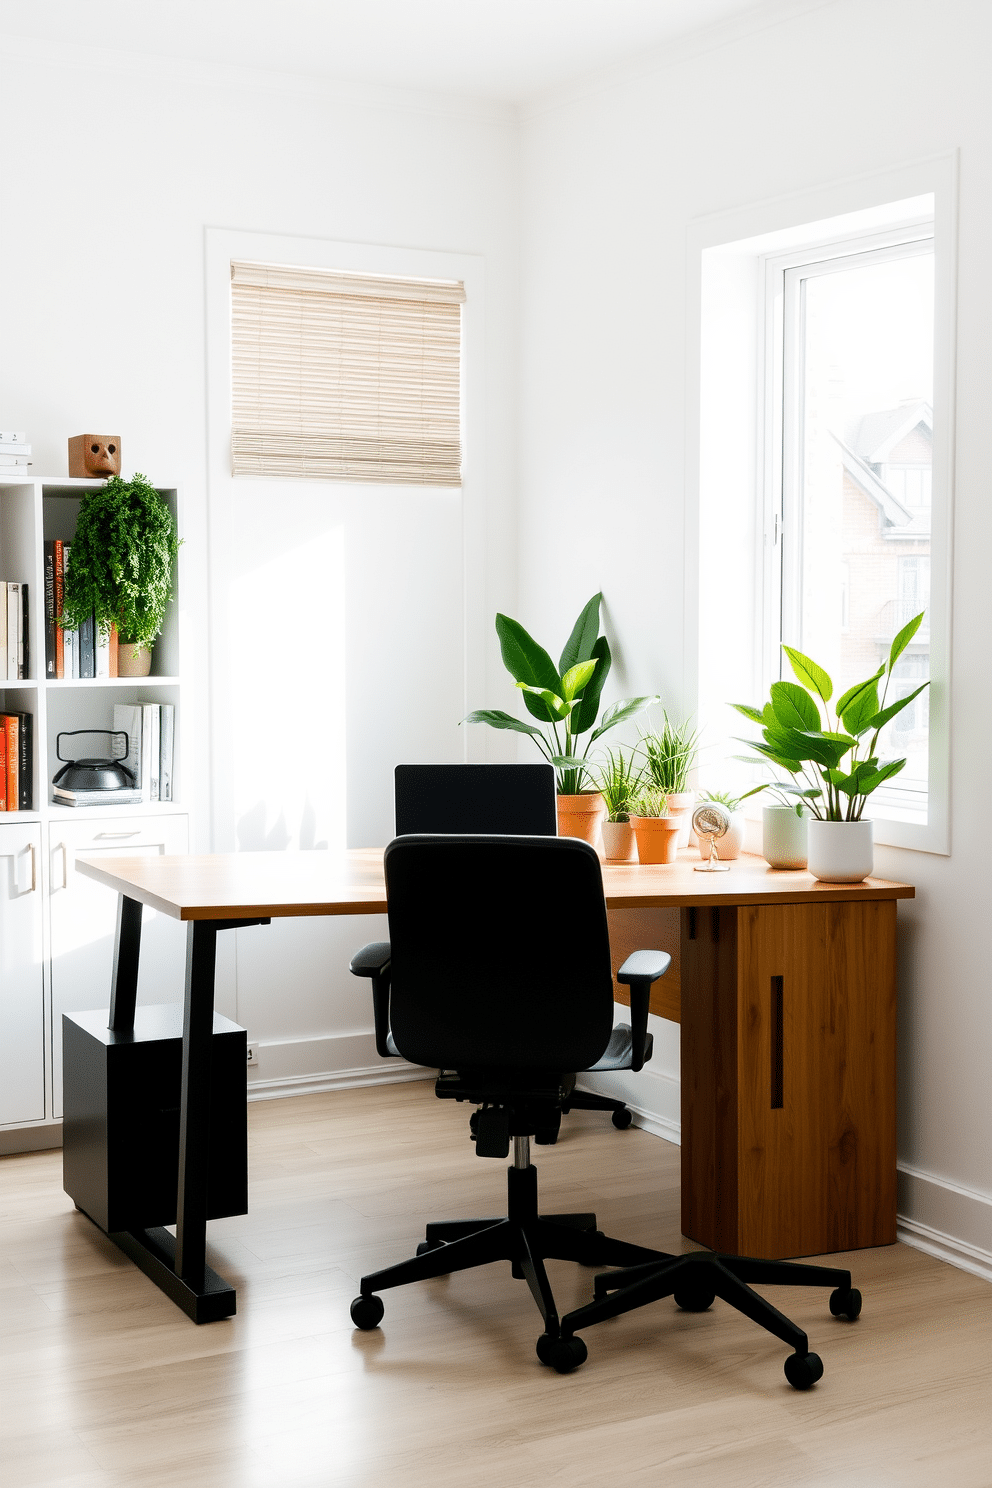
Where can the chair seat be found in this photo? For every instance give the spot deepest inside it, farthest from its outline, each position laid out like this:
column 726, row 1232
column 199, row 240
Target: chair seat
column 619, row 1051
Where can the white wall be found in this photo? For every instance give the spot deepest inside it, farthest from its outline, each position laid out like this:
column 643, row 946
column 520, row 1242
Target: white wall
column 114, row 168
column 613, row 176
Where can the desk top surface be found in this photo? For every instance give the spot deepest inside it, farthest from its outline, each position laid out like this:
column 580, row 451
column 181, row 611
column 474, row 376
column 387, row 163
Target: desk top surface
column 226, row 886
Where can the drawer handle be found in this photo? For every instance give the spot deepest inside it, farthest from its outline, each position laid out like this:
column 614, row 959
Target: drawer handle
column 61, row 847
column 34, row 868
column 103, row 835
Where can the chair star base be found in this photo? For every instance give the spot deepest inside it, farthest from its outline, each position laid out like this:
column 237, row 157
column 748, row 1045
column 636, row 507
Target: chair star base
column 697, row 1278
column 524, row 1238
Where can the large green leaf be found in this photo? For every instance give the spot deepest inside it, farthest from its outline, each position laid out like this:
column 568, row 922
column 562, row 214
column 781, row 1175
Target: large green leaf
column 874, row 780
column 793, row 706
column 881, row 719
column 579, row 646
column 585, row 714
column 823, row 749
column 904, row 637
column 567, row 761
column 496, row 718
column 810, row 675
column 792, row 765
column 618, row 712
column 755, row 714
column 857, row 716
column 523, row 658
column 847, row 698
column 575, row 678
column 556, row 706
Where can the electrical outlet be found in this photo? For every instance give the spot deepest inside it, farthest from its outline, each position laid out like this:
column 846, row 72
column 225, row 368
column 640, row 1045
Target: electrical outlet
column 253, row 1054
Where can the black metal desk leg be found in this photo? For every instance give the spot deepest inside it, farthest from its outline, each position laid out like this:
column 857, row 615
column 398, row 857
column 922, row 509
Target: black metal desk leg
column 127, row 945
column 194, row 1109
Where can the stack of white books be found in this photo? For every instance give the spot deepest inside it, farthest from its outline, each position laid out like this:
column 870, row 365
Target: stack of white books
column 15, row 452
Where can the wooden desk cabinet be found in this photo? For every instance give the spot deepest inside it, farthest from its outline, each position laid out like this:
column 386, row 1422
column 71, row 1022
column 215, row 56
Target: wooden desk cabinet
column 788, row 1060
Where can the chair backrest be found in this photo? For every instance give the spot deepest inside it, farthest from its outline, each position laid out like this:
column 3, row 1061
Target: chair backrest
column 518, row 800
column 500, row 954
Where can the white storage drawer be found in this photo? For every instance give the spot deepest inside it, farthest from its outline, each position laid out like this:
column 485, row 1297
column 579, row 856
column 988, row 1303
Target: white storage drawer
column 22, row 980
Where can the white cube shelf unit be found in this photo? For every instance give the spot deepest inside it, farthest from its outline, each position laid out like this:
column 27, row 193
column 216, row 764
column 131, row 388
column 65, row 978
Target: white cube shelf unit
column 57, row 928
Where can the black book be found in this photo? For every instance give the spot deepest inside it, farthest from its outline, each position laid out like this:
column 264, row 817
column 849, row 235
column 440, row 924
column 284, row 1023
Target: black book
column 26, row 668
column 25, row 776
column 50, row 611
column 87, row 648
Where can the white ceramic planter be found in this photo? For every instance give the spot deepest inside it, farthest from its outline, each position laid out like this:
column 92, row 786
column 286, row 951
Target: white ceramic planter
column 783, row 837
column 841, row 852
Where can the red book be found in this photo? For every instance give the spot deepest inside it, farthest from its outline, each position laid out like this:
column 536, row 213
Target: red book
column 113, row 650
column 59, row 598
column 3, row 769
column 12, row 731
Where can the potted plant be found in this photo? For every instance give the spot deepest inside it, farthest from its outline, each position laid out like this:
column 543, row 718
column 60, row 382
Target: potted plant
column 731, row 844
column 669, row 755
column 619, row 780
column 833, row 760
column 565, row 701
column 120, row 567
column 656, row 827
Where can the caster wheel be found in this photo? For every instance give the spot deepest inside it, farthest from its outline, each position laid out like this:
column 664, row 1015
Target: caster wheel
column 846, row 1303
column 561, row 1354
column 694, row 1298
column 803, row 1370
column 622, row 1119
column 366, row 1312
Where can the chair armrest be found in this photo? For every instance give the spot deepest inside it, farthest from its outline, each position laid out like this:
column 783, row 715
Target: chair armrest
column 640, row 970
column 373, row 961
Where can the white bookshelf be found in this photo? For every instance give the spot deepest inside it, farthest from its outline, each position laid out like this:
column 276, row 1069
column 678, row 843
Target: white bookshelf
column 56, row 935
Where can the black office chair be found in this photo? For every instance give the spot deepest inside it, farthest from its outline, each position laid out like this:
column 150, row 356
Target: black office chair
column 497, row 972
column 511, row 800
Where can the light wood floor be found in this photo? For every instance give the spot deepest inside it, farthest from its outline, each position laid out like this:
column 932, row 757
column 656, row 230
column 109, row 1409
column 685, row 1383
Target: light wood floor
column 104, row 1384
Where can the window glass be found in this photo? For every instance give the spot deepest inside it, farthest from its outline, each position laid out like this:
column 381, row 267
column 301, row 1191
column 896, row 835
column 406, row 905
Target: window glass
column 856, row 513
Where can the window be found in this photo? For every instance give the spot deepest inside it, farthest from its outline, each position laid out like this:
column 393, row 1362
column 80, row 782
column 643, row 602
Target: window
column 853, row 324
column 345, row 377
column 821, row 500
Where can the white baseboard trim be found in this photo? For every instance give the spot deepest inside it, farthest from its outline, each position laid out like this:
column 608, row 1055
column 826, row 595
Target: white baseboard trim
column 38, row 1138
column 397, row 1072
column 652, row 1098
column 945, row 1220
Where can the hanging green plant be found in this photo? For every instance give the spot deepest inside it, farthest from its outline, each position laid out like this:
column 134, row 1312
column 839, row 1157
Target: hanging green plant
column 121, row 560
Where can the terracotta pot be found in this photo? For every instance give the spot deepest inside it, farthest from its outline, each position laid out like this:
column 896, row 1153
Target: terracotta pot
column 841, row 852
column 680, row 804
column 581, row 816
column 132, row 660
column 657, row 838
column 619, row 845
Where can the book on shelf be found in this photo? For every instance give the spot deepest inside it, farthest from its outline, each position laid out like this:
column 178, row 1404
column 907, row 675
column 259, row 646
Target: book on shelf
column 18, row 729
column 83, row 651
column 50, row 610
column 3, row 631
column 167, row 751
column 87, row 648
column 150, row 756
column 59, row 557
column 122, row 796
column 17, row 660
column 12, row 436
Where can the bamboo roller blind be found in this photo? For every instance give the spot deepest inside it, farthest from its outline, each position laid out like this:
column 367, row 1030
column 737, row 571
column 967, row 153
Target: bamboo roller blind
column 345, row 377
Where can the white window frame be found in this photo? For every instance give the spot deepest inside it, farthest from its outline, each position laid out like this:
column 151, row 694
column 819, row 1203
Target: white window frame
column 777, row 235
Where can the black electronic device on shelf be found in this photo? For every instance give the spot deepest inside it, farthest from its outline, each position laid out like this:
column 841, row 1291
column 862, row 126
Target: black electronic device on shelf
column 93, row 781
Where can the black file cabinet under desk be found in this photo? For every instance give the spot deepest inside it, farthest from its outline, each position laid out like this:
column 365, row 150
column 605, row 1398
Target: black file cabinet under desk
column 120, row 1160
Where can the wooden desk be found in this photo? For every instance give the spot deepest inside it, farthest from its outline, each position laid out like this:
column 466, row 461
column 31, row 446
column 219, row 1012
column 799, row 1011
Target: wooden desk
column 788, row 1012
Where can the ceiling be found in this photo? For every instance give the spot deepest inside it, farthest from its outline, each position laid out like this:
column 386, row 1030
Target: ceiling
column 510, row 50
